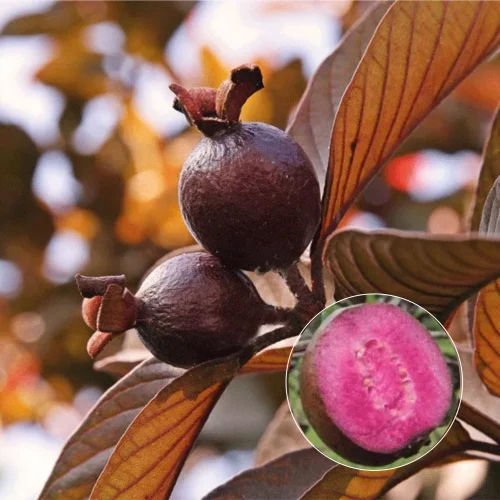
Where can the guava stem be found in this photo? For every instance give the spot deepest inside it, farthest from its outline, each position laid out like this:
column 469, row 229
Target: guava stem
column 274, row 315
column 435, row 456
column 482, row 446
column 296, row 283
column 478, row 420
column 307, row 304
column 262, row 341
column 318, row 285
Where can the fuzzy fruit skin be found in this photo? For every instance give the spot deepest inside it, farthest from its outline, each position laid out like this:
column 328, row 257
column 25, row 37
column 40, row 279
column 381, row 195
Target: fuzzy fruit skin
column 406, row 351
column 250, row 196
column 192, row 308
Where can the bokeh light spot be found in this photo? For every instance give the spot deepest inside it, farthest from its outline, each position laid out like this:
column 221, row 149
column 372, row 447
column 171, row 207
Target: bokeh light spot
column 54, row 182
column 66, row 254
column 105, row 38
column 444, row 220
column 11, row 279
column 28, row 326
column 100, row 117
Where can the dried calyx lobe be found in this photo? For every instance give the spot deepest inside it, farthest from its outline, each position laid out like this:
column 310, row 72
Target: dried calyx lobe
column 374, row 384
column 247, row 191
column 189, row 309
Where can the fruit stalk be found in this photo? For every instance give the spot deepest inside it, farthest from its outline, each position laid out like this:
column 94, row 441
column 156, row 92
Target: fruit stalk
column 265, row 340
column 307, row 304
column 476, row 419
column 318, row 285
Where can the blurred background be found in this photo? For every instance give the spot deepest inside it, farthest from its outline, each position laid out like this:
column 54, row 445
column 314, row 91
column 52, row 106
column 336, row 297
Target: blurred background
column 90, row 154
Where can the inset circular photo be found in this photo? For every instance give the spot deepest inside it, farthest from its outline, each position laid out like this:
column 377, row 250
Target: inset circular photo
column 374, row 382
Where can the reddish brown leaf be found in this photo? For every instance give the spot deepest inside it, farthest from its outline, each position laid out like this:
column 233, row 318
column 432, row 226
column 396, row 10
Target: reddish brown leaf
column 281, row 436
column 122, row 362
column 486, row 325
column 149, row 456
column 269, row 360
column 88, row 449
column 343, row 482
column 482, row 88
column 436, row 272
column 289, row 476
column 312, row 123
column 418, row 54
column 188, row 400
column 474, row 393
column 487, row 336
column 490, row 170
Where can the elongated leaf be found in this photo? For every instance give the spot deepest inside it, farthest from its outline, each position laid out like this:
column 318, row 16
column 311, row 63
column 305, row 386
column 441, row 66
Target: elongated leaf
column 343, row 482
column 487, row 336
column 486, row 327
column 289, row 476
column 281, row 436
column 270, row 360
column 149, row 456
column 193, row 396
column 490, row 170
column 436, row 272
column 86, row 452
column 474, row 393
column 122, row 362
column 418, row 54
column 312, row 123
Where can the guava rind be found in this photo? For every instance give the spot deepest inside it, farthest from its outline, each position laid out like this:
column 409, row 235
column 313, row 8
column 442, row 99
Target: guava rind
column 374, row 383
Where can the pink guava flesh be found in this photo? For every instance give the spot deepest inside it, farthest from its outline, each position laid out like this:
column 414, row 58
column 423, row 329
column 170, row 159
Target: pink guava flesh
column 381, row 377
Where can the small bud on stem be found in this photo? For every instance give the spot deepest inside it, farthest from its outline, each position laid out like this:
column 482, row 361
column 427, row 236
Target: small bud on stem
column 90, row 286
column 212, row 110
column 107, row 307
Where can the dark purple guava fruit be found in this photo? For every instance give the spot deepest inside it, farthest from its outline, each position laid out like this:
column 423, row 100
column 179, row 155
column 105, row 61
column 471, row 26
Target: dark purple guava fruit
column 189, row 309
column 193, row 308
column 248, row 191
column 374, row 383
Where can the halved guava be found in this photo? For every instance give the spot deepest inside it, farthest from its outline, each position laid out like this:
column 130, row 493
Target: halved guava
column 374, row 382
